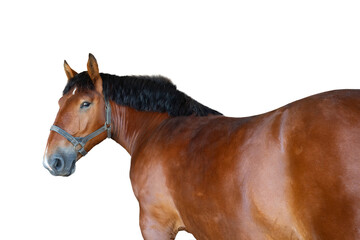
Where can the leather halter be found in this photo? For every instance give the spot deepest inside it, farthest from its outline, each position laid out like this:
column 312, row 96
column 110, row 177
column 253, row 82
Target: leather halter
column 80, row 142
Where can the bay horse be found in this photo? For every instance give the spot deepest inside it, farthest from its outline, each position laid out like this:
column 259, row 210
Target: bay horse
column 292, row 173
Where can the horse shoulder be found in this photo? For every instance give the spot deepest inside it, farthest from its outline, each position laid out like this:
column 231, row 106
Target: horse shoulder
column 148, row 179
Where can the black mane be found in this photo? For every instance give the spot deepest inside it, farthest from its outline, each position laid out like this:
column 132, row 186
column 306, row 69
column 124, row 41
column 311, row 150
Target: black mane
column 144, row 93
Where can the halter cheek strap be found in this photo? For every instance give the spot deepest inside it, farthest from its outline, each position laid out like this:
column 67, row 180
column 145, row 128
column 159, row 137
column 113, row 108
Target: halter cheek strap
column 80, row 142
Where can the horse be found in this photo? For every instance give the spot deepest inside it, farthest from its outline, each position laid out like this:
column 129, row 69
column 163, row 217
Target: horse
column 291, row 173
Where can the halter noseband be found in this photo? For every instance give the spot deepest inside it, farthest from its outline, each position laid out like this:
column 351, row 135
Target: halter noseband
column 81, row 141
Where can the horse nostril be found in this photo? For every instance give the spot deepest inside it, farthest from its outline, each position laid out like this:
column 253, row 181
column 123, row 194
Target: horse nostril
column 58, row 164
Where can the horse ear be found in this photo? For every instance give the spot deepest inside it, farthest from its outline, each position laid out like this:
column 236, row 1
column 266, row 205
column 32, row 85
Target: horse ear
column 70, row 73
column 93, row 71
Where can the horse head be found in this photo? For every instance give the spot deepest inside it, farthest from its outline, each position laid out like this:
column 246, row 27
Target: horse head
column 79, row 124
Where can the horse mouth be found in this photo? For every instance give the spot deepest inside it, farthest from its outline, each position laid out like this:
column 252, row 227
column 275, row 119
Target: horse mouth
column 72, row 168
column 71, row 171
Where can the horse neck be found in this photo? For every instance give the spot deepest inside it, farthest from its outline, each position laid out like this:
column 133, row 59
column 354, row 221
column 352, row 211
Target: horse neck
column 130, row 127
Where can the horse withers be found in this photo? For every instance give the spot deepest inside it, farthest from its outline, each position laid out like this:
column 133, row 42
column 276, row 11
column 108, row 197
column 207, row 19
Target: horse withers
column 292, row 173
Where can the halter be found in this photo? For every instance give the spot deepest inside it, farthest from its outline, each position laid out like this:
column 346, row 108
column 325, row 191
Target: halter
column 81, row 141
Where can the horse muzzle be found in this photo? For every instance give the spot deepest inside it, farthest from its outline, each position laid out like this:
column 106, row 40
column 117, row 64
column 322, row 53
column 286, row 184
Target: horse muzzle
column 61, row 163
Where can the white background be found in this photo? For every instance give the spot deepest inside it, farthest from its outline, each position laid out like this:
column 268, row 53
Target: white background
column 238, row 57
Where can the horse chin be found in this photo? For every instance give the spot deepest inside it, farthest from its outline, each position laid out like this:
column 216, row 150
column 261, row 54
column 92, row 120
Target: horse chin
column 72, row 170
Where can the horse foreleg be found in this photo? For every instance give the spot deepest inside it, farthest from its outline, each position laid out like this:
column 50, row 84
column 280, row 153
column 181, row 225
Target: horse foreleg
column 156, row 224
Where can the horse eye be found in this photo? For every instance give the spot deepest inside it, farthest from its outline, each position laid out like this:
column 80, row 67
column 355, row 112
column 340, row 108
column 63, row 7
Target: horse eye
column 85, row 104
